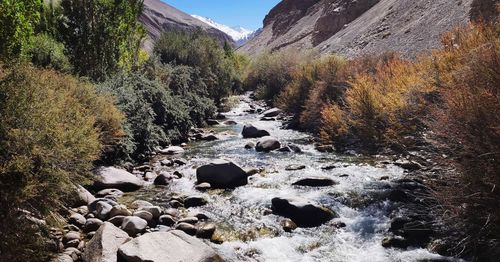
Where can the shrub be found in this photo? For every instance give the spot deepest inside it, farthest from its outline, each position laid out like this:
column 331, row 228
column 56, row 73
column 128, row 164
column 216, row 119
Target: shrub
column 49, row 53
column 333, row 123
column 269, row 73
column 52, row 127
column 154, row 116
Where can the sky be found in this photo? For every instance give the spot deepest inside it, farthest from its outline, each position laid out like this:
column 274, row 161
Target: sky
column 246, row 13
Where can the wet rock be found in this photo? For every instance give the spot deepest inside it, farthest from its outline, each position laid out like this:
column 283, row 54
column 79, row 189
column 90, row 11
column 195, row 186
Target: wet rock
column 62, row 258
column 149, row 176
column 175, row 203
column 189, row 220
column 295, row 148
column 339, row 224
column 180, row 162
column 325, row 148
column 186, row 228
column 267, row 144
column 203, row 186
column 77, row 220
column 250, row 131
column 92, row 224
column 167, row 162
column 408, row 165
column 304, row 213
column 153, row 247
column 134, row 225
column 200, row 216
column 172, row 212
column 163, row 179
column 209, row 137
column 103, row 247
column 397, row 242
column 230, row 123
column 398, row 195
column 267, row 119
column 253, row 171
column 113, row 192
column 194, row 201
column 220, row 116
column 295, row 167
column 154, row 210
column 250, row 145
column 166, row 220
column 273, row 112
column 119, row 210
column 315, row 182
column 172, row 150
column 111, row 177
column 285, row 149
column 330, row 167
column 289, row 225
column 222, row 174
column 212, row 122
column 206, row 230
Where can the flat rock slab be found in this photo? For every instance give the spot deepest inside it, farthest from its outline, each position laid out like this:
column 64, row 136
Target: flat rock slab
column 315, row 182
column 167, row 246
column 303, row 212
column 111, row 177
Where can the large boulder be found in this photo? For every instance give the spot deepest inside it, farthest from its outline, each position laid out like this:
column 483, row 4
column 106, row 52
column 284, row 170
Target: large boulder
column 222, row 174
column 111, row 177
column 271, row 112
column 167, row 246
column 82, row 197
column 304, row 213
column 250, row 131
column 103, row 247
column 267, row 144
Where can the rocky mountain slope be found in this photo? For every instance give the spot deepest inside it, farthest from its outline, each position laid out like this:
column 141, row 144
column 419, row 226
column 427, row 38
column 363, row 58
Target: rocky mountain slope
column 353, row 27
column 160, row 17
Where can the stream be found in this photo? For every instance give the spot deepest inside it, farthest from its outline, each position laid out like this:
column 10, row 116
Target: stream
column 246, row 229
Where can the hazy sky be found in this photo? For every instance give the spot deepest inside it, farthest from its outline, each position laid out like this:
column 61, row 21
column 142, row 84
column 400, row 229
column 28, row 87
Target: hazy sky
column 245, row 13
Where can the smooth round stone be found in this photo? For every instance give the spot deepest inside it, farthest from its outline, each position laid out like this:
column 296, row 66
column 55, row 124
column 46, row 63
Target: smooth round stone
column 134, row 225
column 189, row 220
column 206, row 230
column 92, row 224
column 154, row 210
column 203, row 186
column 116, row 220
column 140, row 203
column 194, row 201
column 119, row 210
column 187, row 228
column 144, row 215
column 166, row 220
column 77, row 220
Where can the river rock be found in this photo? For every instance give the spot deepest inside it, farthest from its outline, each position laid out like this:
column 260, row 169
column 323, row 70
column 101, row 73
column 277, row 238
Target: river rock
column 111, row 177
column 325, row 148
column 212, row 122
column 267, row 144
column 77, row 219
column 209, row 137
column 140, row 203
column 194, row 201
column 250, row 145
column 206, row 230
column 304, row 213
column 315, row 182
column 144, row 215
column 166, row 220
column 117, row 220
column 203, row 186
column 273, row 112
column 408, row 165
column 72, row 235
column 154, row 210
column 222, row 174
column 92, row 224
column 134, row 225
column 119, row 210
column 187, row 228
column 230, row 123
column 190, row 220
column 250, row 131
column 62, row 258
column 83, row 196
column 163, row 179
column 167, row 246
column 289, row 225
column 172, row 150
column 103, row 210
column 103, row 247
column 110, row 192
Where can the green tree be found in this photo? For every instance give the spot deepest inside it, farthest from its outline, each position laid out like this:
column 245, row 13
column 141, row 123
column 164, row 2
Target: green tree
column 18, row 19
column 102, row 35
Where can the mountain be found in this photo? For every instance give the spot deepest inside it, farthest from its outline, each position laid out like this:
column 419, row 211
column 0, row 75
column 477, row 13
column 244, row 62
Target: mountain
column 353, row 27
column 159, row 17
column 239, row 34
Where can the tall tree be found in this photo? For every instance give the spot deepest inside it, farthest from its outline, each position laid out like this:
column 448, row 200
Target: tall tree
column 102, row 35
column 18, row 19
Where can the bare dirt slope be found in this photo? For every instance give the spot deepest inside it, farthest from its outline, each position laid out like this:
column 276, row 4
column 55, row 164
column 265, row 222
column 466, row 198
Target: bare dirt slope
column 160, row 17
column 354, row 27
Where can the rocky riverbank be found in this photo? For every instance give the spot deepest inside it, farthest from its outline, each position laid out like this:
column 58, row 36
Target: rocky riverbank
column 289, row 199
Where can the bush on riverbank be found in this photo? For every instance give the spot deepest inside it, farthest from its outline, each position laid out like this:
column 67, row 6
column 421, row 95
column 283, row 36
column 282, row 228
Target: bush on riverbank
column 52, row 127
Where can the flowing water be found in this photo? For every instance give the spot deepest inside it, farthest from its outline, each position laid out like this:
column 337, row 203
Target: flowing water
column 250, row 234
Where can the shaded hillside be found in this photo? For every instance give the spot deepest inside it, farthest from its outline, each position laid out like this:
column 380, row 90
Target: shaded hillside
column 160, row 17
column 363, row 26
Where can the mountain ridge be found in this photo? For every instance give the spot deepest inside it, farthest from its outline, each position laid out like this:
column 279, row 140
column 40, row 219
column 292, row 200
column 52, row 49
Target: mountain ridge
column 239, row 34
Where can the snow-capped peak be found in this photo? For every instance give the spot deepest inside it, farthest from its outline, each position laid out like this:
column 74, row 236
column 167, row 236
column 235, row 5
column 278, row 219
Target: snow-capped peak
column 237, row 33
